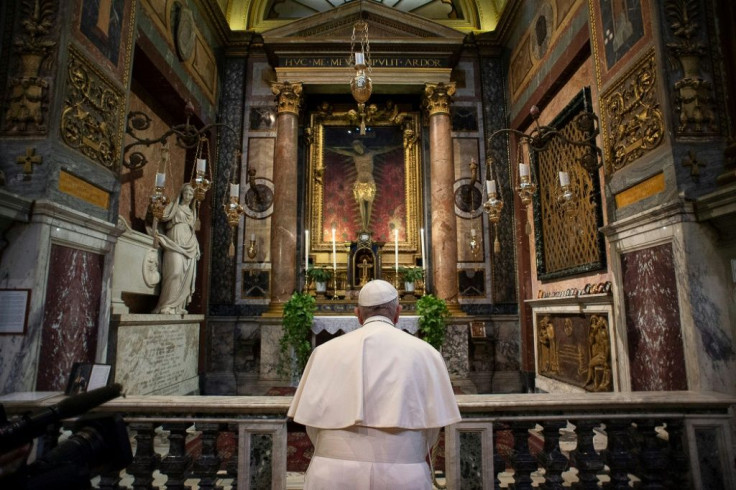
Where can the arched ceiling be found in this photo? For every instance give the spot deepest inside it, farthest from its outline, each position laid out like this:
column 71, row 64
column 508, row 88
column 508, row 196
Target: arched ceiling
column 263, row 15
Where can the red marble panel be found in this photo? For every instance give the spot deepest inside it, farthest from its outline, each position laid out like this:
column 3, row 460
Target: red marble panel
column 656, row 355
column 71, row 312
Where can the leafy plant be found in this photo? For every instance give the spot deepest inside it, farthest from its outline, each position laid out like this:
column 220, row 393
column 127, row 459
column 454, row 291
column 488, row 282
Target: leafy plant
column 295, row 344
column 411, row 274
column 320, row 274
column 432, row 313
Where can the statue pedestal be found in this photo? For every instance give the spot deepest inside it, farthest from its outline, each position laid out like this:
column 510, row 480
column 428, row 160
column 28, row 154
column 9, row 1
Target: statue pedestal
column 155, row 354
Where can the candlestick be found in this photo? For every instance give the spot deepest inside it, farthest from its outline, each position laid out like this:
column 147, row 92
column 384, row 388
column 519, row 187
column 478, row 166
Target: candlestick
column 160, row 179
column 334, row 253
column 424, row 262
column 396, row 250
column 306, row 250
column 564, row 179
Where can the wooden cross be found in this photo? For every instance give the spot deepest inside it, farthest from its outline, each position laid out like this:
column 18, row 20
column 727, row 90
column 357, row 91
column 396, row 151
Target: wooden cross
column 28, row 160
column 692, row 161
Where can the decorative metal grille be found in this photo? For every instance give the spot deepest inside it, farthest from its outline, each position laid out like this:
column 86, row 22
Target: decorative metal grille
column 567, row 238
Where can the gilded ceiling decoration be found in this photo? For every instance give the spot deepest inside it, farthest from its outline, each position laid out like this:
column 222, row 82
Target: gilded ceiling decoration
column 262, row 15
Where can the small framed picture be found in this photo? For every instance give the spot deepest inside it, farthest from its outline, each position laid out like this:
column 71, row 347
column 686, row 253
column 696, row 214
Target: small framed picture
column 14, row 306
column 87, row 376
column 478, row 330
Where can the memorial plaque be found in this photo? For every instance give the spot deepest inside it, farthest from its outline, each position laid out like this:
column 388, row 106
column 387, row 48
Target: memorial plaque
column 158, row 359
column 74, row 186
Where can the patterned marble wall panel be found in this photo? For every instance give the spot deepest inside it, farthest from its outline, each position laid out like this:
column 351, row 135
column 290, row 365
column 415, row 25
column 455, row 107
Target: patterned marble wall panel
column 455, row 350
column 71, row 315
column 656, row 356
column 503, row 274
column 222, row 285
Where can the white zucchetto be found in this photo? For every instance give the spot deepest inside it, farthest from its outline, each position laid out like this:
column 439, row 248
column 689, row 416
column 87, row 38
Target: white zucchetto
column 377, row 292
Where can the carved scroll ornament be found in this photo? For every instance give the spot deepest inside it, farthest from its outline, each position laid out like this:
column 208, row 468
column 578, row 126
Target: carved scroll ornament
column 633, row 118
column 91, row 118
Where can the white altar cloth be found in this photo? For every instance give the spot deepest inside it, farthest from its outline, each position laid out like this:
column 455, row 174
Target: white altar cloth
column 331, row 324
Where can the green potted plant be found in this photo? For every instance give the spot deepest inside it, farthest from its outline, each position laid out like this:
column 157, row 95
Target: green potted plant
column 296, row 342
column 320, row 276
column 432, row 313
column 410, row 275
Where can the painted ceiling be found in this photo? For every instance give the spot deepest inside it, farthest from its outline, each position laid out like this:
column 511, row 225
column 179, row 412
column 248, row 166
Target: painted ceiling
column 263, row 15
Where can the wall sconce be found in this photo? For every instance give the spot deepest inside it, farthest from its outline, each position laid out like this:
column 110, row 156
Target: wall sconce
column 201, row 179
column 233, row 208
column 538, row 140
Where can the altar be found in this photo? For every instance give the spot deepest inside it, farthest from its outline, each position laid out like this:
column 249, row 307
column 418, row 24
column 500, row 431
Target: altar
column 334, row 324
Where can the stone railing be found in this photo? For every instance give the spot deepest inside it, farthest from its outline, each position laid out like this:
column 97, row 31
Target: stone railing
column 612, row 440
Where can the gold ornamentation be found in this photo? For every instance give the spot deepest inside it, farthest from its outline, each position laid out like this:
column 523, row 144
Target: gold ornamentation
column 28, row 90
column 693, row 94
column 28, row 160
column 289, row 97
column 633, row 122
column 437, row 97
column 409, row 123
column 91, row 120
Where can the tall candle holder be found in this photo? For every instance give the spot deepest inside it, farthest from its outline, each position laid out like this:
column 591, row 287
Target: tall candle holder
column 201, row 180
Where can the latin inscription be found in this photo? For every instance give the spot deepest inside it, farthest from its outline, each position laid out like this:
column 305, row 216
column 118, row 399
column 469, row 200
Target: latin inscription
column 376, row 62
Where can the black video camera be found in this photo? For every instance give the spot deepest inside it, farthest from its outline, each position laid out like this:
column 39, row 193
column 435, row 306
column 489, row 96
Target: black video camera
column 99, row 444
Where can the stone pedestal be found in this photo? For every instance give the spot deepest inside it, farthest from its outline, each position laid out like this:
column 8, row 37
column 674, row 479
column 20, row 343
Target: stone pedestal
column 156, row 354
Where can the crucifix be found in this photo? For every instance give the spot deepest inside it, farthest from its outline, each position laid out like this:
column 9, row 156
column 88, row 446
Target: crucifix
column 28, row 160
column 364, row 267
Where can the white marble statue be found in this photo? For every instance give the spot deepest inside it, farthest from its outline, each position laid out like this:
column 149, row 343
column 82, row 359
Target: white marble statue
column 181, row 253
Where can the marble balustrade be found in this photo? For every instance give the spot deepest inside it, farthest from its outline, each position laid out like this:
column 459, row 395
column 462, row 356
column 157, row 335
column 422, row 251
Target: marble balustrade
column 653, row 439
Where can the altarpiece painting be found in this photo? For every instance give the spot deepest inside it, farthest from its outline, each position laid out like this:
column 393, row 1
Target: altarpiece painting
column 365, row 186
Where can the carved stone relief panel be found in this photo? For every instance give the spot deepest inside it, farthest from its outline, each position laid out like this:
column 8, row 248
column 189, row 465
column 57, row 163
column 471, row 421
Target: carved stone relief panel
column 31, row 69
column 632, row 122
column 690, row 81
column 575, row 349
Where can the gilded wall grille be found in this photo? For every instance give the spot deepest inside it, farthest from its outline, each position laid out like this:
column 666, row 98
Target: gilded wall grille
column 567, row 239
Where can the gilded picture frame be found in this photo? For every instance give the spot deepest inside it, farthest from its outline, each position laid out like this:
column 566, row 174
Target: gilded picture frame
column 393, row 147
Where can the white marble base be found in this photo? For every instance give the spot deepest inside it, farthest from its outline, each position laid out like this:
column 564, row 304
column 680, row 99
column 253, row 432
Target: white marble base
column 157, row 354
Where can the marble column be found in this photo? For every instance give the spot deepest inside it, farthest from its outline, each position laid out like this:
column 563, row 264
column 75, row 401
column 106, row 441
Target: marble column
column 283, row 220
column 444, row 225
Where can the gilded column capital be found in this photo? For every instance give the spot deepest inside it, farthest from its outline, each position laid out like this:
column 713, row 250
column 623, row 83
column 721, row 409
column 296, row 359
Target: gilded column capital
column 289, row 96
column 437, row 97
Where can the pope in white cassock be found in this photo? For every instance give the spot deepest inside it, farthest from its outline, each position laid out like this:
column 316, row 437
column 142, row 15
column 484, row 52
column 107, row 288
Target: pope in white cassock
column 373, row 402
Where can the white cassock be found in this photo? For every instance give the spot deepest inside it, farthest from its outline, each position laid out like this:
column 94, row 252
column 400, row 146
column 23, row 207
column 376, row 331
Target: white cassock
column 373, row 401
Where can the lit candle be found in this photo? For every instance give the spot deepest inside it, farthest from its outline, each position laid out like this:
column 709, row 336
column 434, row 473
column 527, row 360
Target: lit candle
column 201, row 165
column 524, row 170
column 252, row 237
column 564, row 179
column 235, row 190
column 472, row 232
column 490, row 187
column 359, row 58
column 160, row 179
column 306, row 249
column 421, row 236
column 396, row 249
column 334, row 251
